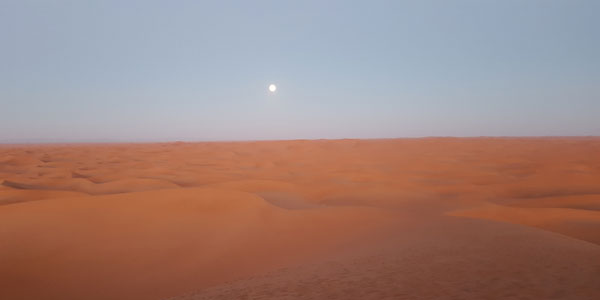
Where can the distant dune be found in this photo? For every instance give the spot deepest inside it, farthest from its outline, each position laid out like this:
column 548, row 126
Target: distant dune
column 432, row 218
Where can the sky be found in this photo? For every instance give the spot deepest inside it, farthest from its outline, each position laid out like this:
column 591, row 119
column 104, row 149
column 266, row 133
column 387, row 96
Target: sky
column 200, row 70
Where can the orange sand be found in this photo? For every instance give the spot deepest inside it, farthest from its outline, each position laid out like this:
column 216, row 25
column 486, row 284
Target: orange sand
column 437, row 218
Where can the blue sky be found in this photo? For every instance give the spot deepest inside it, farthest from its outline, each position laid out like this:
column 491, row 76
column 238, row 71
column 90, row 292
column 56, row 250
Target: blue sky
column 199, row 70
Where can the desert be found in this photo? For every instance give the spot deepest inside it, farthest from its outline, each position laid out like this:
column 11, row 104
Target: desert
column 299, row 150
column 424, row 218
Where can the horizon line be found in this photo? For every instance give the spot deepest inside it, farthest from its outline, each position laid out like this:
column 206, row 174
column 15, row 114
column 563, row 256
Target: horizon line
column 167, row 141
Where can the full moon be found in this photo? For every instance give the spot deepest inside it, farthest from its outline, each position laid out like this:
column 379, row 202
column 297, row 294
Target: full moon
column 272, row 88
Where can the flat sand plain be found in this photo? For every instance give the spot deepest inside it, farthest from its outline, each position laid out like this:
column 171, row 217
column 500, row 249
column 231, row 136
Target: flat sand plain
column 432, row 218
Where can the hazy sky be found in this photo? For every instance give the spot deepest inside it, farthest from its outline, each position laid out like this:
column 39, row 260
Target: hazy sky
column 199, row 70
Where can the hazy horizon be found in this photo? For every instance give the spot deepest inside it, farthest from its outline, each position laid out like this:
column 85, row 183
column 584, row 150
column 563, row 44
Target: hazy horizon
column 148, row 71
column 150, row 141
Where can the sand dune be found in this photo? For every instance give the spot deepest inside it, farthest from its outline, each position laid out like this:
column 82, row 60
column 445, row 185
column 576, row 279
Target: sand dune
column 160, row 242
column 85, row 186
column 437, row 218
